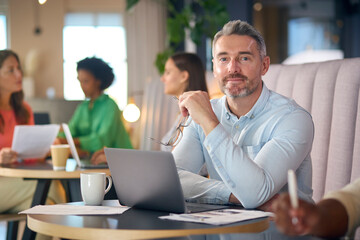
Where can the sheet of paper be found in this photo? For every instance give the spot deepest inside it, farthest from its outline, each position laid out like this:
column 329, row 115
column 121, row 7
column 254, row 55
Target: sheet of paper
column 66, row 209
column 219, row 217
column 34, row 141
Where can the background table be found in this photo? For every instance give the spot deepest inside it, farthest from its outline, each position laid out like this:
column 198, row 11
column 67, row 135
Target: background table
column 44, row 174
column 132, row 224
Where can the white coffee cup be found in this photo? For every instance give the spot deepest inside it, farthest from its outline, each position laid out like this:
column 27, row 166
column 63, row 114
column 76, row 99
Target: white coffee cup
column 59, row 155
column 93, row 187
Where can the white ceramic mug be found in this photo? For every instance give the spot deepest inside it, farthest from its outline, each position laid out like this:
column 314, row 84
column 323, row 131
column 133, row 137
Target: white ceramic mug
column 93, row 187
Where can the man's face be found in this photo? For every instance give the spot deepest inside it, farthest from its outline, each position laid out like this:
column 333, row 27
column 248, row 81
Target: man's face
column 238, row 66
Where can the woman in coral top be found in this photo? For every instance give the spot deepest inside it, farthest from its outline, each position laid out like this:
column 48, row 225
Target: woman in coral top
column 14, row 111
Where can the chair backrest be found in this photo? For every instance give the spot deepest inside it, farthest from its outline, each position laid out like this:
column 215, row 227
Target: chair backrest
column 41, row 118
column 330, row 92
column 158, row 114
column 59, row 110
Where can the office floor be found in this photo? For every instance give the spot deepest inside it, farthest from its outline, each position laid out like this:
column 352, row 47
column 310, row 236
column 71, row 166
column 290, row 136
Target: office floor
column 2, row 230
column 21, row 226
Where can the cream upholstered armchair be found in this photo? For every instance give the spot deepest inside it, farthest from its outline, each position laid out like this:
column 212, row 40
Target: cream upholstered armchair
column 330, row 92
column 158, row 113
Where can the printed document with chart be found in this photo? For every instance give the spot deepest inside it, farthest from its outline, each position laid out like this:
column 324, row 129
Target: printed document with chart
column 219, row 217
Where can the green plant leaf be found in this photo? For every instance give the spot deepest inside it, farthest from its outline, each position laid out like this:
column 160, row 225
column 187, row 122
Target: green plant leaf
column 208, row 20
column 161, row 59
column 175, row 30
column 197, row 32
column 130, row 4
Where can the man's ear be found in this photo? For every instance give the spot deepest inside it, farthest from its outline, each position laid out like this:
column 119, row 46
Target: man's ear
column 265, row 65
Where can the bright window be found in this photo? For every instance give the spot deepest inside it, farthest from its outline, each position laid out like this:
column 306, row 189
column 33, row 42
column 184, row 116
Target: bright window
column 313, row 34
column 99, row 35
column 3, row 35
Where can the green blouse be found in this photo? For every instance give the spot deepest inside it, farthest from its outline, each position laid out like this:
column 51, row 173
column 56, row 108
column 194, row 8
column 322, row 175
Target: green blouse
column 99, row 126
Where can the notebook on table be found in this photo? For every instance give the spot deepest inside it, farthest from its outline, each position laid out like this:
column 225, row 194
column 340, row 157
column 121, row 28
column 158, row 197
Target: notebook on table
column 82, row 163
column 149, row 180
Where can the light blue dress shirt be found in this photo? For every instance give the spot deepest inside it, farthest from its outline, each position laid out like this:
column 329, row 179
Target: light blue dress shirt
column 248, row 156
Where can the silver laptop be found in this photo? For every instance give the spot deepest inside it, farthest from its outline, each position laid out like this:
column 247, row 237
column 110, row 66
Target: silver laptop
column 149, row 180
column 82, row 163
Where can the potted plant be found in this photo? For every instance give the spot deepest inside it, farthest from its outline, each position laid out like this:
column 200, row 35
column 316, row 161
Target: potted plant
column 200, row 17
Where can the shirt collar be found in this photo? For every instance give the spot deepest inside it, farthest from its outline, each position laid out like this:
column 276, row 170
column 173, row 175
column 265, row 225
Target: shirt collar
column 101, row 98
column 258, row 106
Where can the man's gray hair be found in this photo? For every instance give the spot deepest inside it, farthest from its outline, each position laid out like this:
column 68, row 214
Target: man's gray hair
column 241, row 28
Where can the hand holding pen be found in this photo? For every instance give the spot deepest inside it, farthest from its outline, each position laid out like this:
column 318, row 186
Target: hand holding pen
column 294, row 216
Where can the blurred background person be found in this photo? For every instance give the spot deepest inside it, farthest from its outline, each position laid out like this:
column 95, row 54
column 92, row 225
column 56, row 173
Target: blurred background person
column 336, row 215
column 16, row 193
column 96, row 122
column 183, row 72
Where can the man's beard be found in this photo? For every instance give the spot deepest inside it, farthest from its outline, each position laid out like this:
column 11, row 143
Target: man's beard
column 237, row 92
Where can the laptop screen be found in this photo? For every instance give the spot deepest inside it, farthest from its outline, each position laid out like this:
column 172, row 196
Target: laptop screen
column 146, row 179
column 71, row 143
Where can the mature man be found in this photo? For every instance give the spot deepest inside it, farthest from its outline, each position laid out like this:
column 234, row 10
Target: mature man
column 249, row 138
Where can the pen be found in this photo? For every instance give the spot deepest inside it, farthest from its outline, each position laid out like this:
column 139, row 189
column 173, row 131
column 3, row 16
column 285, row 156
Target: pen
column 293, row 189
column 293, row 192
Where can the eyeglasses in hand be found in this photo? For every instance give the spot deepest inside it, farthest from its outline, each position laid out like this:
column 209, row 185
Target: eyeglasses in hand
column 178, row 134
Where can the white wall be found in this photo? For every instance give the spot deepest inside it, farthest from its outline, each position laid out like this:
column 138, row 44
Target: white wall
column 48, row 44
column 145, row 26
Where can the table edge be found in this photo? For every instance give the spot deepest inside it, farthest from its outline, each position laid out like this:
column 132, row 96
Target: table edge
column 46, row 174
column 63, row 231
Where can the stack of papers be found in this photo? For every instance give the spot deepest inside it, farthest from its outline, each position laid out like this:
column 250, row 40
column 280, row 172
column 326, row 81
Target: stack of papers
column 219, row 217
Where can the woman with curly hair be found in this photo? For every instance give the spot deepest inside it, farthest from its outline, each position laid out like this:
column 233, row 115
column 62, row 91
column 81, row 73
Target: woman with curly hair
column 97, row 122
